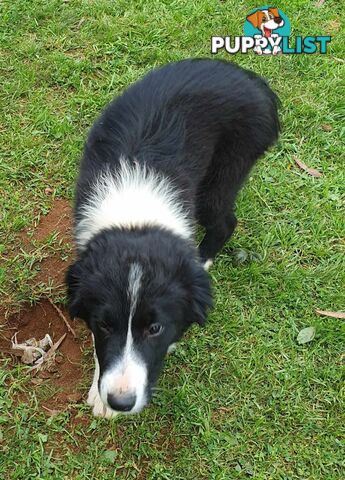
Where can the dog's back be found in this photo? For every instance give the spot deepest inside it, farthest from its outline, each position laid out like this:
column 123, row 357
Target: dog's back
column 180, row 119
column 201, row 124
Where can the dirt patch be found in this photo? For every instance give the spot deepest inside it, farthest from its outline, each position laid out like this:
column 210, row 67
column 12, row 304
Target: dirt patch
column 59, row 385
column 52, row 272
column 65, row 375
column 58, row 220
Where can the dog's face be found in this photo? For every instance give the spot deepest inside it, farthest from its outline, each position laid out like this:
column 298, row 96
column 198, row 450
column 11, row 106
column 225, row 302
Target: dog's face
column 266, row 20
column 136, row 307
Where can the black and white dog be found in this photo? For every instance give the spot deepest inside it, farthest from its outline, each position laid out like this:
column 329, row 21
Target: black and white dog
column 171, row 151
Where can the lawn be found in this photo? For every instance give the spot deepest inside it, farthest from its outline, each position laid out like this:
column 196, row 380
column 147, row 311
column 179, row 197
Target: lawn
column 239, row 398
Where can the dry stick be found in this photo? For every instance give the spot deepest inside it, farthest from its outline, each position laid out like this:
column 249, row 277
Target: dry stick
column 62, row 316
column 50, row 355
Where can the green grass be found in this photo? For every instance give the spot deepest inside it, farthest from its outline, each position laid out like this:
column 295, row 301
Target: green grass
column 248, row 401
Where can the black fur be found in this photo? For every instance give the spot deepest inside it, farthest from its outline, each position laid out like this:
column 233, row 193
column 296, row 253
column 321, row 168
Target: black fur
column 176, row 292
column 203, row 124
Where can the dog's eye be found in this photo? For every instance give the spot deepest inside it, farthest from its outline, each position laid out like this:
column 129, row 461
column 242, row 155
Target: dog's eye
column 154, row 329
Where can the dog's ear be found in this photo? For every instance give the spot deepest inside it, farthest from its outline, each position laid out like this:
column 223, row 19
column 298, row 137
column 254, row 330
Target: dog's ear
column 201, row 295
column 274, row 12
column 255, row 19
column 73, row 282
column 80, row 293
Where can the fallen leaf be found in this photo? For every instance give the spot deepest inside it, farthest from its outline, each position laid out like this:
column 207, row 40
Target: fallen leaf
column 248, row 468
column 43, row 437
column 332, row 27
column 326, row 127
column 312, row 171
column 240, row 255
column 93, row 425
column 326, row 313
column 319, row 3
column 306, row 335
column 109, row 456
column 238, row 468
column 48, row 190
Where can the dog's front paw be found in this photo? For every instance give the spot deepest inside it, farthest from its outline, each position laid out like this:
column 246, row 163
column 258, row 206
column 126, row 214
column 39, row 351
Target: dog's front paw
column 101, row 410
column 171, row 348
column 92, row 396
column 207, row 264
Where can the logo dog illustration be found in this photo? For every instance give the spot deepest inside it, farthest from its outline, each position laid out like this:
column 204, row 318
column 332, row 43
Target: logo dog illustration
column 266, row 20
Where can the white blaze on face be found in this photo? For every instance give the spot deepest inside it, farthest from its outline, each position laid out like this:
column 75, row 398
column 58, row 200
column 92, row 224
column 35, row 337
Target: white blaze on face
column 128, row 376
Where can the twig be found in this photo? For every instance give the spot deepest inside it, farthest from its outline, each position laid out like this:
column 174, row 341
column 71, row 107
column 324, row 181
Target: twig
column 62, row 316
column 48, row 357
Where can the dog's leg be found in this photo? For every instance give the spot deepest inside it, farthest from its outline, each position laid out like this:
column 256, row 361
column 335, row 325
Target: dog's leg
column 171, row 348
column 207, row 264
column 215, row 237
column 94, row 399
column 93, row 392
column 231, row 163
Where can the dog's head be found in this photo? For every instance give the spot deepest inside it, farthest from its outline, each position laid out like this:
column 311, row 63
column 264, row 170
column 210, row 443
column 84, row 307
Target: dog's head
column 266, row 20
column 138, row 293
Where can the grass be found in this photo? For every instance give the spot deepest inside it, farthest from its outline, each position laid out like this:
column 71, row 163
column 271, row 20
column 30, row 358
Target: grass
column 248, row 402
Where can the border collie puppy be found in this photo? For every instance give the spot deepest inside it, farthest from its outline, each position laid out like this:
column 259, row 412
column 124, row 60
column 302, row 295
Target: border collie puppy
column 171, row 151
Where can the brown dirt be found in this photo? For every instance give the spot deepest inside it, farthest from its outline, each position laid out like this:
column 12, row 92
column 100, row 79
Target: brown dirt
column 66, row 373
column 51, row 270
column 59, row 220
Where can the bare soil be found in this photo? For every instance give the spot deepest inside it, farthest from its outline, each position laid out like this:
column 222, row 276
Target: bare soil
column 59, row 219
column 65, row 375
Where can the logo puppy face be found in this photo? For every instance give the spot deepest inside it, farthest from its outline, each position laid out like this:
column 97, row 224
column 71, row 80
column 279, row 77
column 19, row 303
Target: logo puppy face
column 266, row 20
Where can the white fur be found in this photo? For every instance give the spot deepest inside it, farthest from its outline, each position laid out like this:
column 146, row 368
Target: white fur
column 129, row 374
column 208, row 264
column 132, row 196
column 93, row 399
column 171, row 348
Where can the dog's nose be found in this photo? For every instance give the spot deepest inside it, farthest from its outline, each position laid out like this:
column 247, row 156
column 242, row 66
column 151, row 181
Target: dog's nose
column 278, row 19
column 121, row 403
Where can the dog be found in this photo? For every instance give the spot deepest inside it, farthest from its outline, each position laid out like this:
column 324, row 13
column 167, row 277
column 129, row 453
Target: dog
column 170, row 152
column 267, row 21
